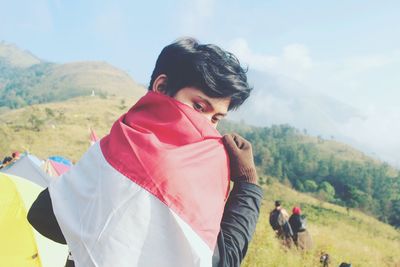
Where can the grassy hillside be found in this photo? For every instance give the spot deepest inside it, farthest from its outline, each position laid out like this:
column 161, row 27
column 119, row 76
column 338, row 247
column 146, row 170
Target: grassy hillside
column 25, row 80
column 97, row 76
column 347, row 237
column 325, row 147
column 62, row 128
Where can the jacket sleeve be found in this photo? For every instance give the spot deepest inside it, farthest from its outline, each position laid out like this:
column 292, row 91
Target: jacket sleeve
column 42, row 218
column 238, row 224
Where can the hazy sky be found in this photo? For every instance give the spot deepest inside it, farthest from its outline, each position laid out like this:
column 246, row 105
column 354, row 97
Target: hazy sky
column 330, row 66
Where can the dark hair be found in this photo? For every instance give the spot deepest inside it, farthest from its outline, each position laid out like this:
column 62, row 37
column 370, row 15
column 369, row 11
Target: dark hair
column 214, row 71
column 277, row 203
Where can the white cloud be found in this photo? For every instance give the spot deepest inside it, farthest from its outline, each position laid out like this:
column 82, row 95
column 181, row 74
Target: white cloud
column 339, row 98
column 378, row 130
column 294, row 61
column 194, row 16
column 259, row 62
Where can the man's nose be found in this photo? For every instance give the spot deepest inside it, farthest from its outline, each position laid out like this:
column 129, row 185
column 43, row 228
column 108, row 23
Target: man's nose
column 209, row 117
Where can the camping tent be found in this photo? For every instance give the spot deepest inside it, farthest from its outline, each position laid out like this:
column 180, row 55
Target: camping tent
column 28, row 167
column 20, row 244
column 54, row 168
column 37, row 171
column 56, row 165
column 61, row 160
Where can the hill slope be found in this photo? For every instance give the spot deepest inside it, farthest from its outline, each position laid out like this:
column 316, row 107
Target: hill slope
column 15, row 57
column 346, row 237
column 333, row 171
column 25, row 80
column 62, row 128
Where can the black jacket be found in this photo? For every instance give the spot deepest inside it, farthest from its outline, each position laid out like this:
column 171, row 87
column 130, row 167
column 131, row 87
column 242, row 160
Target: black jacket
column 237, row 226
column 295, row 221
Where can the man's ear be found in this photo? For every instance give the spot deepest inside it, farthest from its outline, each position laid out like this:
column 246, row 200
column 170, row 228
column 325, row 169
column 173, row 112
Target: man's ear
column 160, row 84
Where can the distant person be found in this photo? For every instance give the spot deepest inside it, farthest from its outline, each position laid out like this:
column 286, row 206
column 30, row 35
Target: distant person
column 325, row 259
column 278, row 219
column 7, row 160
column 301, row 236
column 15, row 156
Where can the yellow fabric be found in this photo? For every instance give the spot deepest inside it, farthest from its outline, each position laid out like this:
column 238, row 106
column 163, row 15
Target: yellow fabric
column 17, row 246
column 51, row 253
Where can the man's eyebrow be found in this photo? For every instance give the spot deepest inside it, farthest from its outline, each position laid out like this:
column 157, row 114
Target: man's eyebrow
column 209, row 103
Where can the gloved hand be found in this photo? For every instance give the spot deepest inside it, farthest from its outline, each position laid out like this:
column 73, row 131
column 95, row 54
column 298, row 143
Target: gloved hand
column 241, row 158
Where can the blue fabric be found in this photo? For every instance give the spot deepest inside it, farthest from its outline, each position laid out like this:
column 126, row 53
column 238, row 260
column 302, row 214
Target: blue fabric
column 62, row 160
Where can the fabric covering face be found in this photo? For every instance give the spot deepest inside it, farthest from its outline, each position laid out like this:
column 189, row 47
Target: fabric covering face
column 152, row 191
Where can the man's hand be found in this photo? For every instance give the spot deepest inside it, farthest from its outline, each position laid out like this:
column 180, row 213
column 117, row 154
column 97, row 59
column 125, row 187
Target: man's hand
column 241, row 158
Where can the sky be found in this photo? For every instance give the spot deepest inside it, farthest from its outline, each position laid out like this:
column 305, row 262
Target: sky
column 331, row 67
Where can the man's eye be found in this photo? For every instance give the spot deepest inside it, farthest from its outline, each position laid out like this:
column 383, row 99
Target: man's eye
column 198, row 107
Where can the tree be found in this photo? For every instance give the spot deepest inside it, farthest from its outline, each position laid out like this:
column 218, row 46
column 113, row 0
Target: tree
column 394, row 217
column 310, row 186
column 36, row 122
column 299, row 185
column 326, row 191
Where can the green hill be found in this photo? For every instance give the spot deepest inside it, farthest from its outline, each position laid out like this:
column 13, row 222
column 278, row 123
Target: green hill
column 25, row 80
column 329, row 170
column 62, row 128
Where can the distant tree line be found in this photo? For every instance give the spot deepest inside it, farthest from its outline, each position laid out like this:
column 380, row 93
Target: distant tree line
column 20, row 87
column 283, row 152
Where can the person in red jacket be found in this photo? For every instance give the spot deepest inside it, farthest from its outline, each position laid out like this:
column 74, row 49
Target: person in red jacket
column 301, row 236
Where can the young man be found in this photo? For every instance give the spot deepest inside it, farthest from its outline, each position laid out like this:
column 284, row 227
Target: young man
column 154, row 191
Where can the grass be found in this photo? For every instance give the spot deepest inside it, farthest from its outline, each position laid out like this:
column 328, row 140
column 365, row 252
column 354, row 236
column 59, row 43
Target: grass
column 352, row 237
column 66, row 131
column 347, row 237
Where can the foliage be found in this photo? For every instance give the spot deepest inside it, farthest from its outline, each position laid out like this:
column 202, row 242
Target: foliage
column 326, row 168
column 310, row 186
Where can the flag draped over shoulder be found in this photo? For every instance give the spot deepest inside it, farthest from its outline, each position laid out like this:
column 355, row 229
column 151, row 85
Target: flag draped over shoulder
column 151, row 193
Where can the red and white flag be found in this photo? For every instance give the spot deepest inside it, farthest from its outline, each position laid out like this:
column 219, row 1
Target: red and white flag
column 151, row 193
column 92, row 136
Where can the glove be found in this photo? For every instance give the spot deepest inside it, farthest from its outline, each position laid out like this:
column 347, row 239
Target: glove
column 241, row 158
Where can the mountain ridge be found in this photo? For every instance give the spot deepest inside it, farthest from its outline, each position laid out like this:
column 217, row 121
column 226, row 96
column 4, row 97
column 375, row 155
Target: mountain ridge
column 26, row 80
